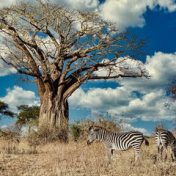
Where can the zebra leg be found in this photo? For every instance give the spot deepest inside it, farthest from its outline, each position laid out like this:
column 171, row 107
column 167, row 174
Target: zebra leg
column 173, row 156
column 165, row 153
column 110, row 152
column 158, row 147
column 161, row 152
column 173, row 153
column 137, row 154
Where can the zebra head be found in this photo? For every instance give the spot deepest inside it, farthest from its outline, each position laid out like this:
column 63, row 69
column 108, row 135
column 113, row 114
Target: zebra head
column 93, row 132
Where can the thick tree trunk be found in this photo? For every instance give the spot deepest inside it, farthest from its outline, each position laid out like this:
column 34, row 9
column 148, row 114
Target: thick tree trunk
column 54, row 115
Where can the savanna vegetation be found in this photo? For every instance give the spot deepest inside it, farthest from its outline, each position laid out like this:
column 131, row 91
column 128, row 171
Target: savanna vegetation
column 26, row 157
column 30, row 153
column 60, row 49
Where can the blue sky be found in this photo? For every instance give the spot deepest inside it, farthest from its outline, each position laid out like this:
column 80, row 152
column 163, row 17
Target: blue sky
column 139, row 103
column 159, row 31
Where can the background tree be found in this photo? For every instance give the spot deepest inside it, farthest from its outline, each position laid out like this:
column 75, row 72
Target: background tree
column 62, row 49
column 27, row 116
column 4, row 110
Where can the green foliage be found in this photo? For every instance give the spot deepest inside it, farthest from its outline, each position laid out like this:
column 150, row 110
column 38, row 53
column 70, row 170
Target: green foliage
column 76, row 130
column 4, row 109
column 27, row 116
column 3, row 106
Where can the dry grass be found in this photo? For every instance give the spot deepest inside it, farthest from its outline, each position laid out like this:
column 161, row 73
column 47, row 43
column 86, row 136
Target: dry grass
column 78, row 159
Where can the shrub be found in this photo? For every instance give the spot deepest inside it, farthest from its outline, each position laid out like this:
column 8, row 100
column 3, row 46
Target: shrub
column 76, row 131
column 79, row 130
column 43, row 136
column 110, row 125
column 11, row 140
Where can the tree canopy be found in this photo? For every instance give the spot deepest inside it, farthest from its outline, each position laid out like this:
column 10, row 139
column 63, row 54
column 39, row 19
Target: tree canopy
column 62, row 49
column 4, row 110
column 28, row 115
column 61, row 46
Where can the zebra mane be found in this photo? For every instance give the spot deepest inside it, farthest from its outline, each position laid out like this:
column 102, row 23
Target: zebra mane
column 96, row 127
column 158, row 129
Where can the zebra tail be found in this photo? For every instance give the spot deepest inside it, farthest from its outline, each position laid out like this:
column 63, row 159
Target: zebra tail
column 146, row 142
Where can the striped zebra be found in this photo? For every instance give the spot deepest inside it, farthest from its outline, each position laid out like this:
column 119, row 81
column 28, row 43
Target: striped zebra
column 165, row 139
column 117, row 141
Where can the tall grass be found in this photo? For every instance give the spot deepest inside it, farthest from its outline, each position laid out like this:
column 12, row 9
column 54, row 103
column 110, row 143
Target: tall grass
column 78, row 159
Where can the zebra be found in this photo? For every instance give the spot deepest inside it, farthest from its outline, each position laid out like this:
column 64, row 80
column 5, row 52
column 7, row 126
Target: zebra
column 117, row 141
column 165, row 139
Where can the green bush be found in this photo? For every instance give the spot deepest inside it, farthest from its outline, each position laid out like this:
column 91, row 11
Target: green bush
column 76, row 131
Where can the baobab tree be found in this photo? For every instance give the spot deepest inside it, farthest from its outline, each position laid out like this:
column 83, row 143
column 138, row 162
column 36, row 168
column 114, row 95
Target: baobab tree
column 62, row 49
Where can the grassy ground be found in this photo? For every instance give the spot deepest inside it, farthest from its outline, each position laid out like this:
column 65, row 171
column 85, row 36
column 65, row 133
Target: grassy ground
column 78, row 159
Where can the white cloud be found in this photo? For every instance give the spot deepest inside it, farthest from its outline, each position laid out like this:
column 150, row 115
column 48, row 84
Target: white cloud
column 121, row 102
column 6, row 3
column 128, row 13
column 74, row 4
column 99, row 99
column 125, row 13
column 123, row 66
column 4, row 127
column 79, row 4
column 136, row 97
column 161, row 68
column 5, row 69
column 129, row 127
column 18, row 96
column 167, row 4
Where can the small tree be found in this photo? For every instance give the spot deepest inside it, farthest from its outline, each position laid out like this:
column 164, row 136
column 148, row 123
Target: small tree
column 62, row 49
column 28, row 116
column 4, row 110
column 76, row 130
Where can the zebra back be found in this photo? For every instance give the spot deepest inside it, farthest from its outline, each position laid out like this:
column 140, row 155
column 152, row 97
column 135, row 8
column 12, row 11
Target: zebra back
column 164, row 137
column 121, row 141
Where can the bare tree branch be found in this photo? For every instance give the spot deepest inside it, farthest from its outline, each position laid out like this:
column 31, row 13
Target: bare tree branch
column 63, row 48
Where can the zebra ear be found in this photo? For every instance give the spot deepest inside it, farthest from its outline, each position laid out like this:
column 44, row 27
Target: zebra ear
column 173, row 142
column 96, row 129
column 91, row 127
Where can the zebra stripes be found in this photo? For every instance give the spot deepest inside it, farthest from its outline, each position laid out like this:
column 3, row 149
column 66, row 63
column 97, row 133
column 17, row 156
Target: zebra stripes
column 117, row 141
column 165, row 139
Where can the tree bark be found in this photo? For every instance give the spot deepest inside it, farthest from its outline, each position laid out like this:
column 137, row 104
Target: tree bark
column 54, row 116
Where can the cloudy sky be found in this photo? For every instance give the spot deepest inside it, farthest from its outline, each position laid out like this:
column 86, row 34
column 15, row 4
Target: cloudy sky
column 137, row 103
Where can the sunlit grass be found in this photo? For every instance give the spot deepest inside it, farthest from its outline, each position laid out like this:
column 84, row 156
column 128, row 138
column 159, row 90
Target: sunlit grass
column 78, row 159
